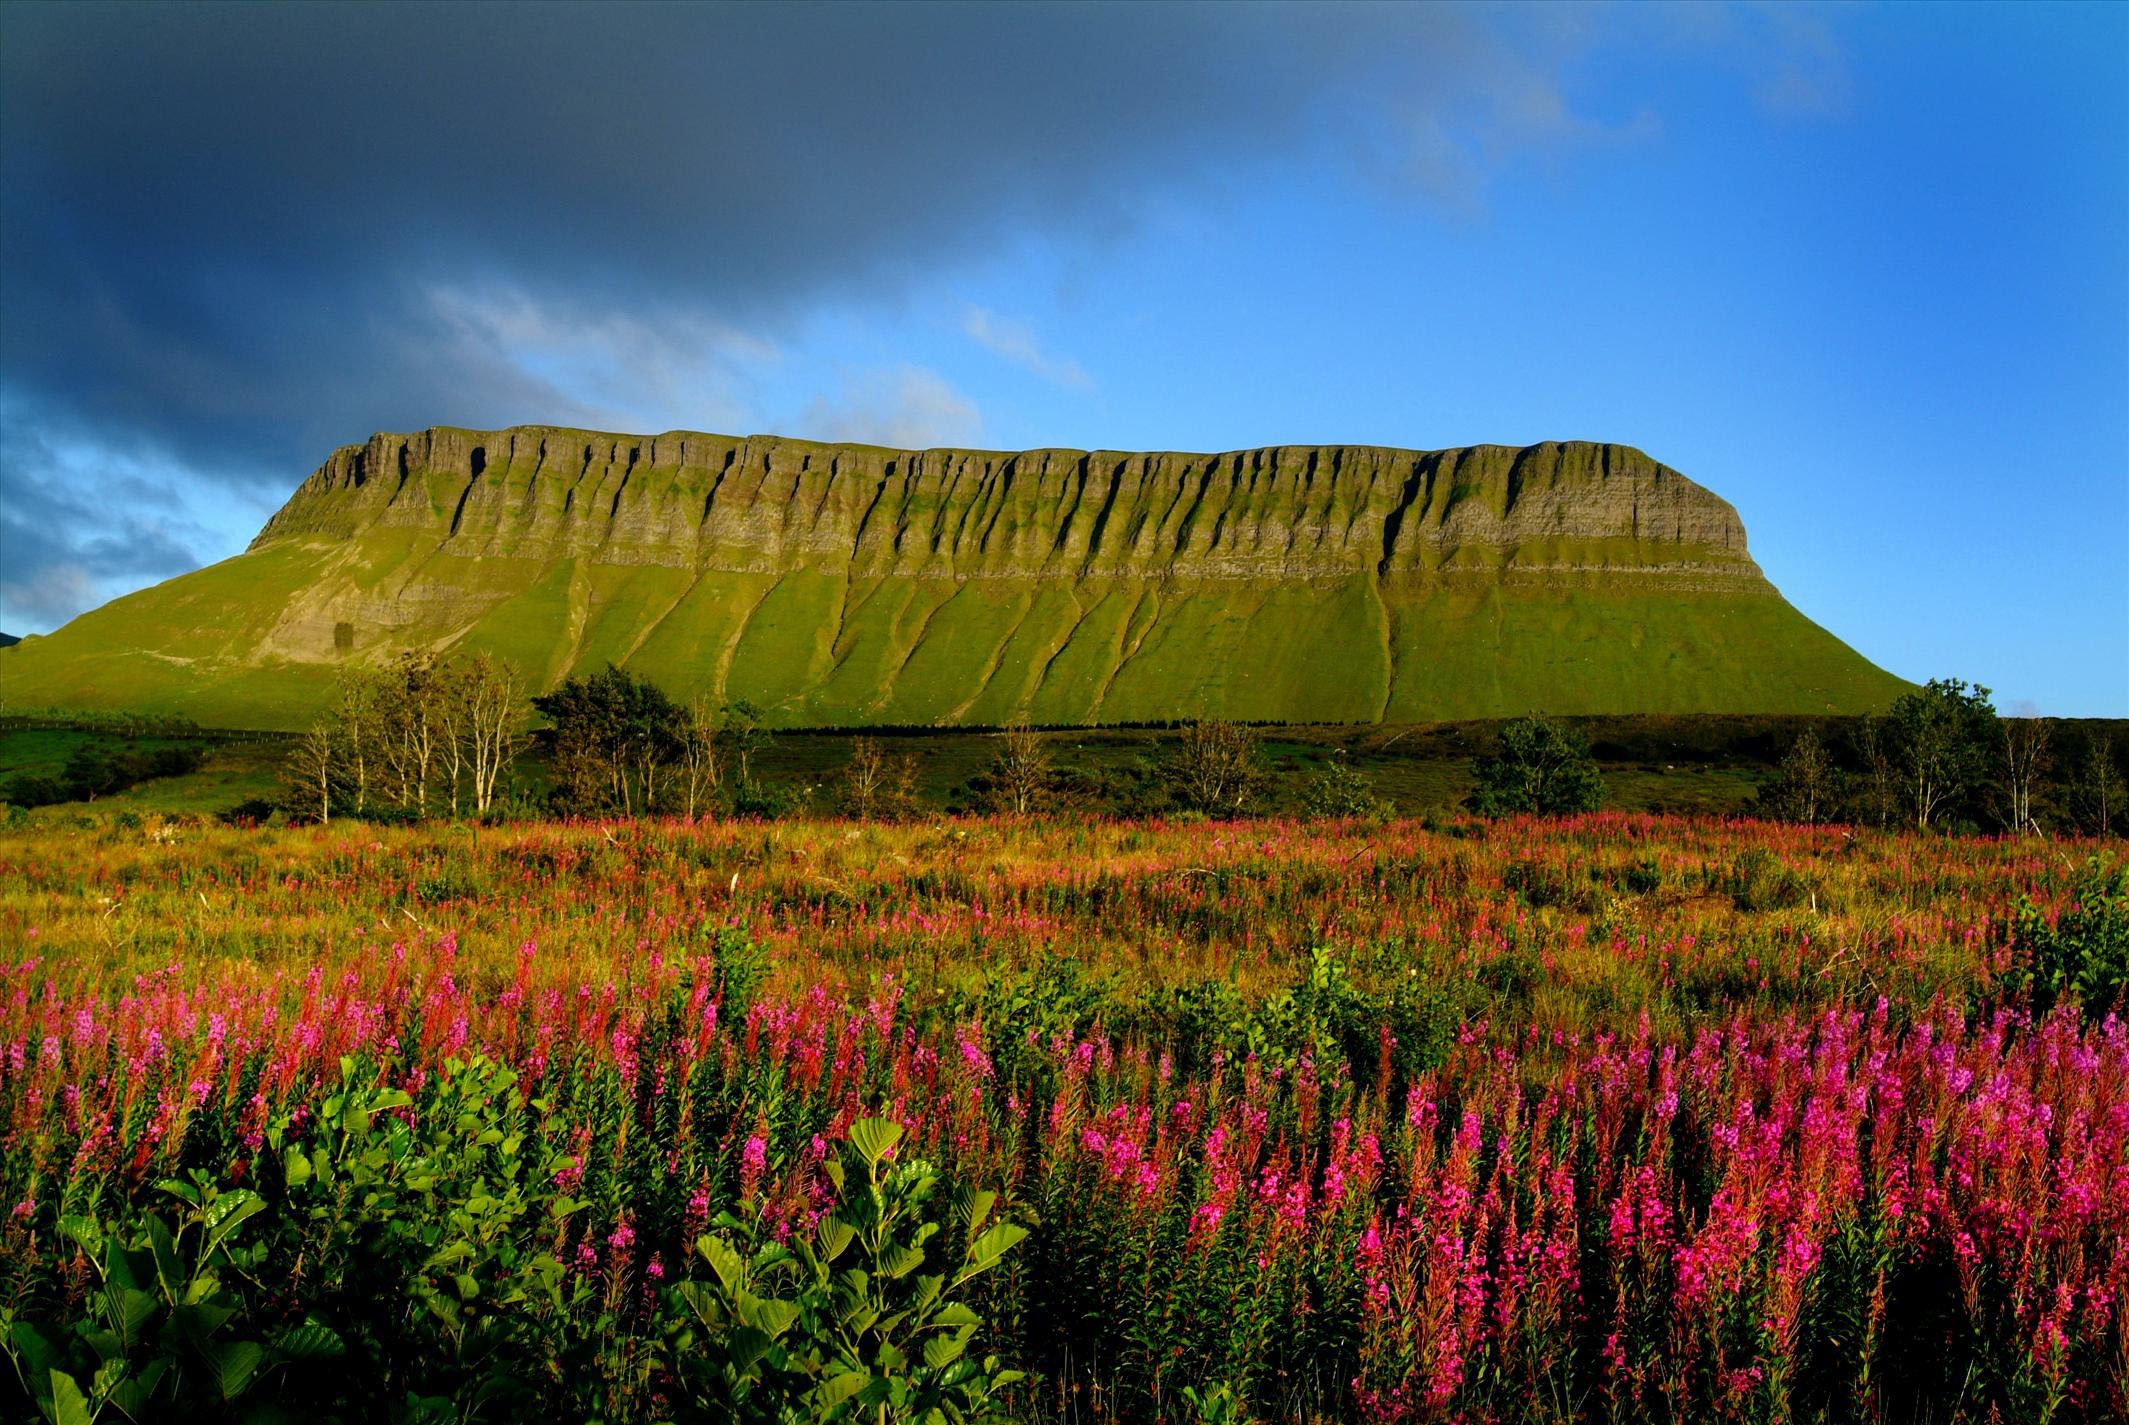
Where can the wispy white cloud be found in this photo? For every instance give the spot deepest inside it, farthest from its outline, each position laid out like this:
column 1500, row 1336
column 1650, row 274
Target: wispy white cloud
column 603, row 368
column 1786, row 56
column 907, row 407
column 1803, row 68
column 1015, row 341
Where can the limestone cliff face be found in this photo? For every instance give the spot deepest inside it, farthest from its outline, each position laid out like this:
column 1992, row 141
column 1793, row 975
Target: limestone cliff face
column 838, row 585
column 762, row 504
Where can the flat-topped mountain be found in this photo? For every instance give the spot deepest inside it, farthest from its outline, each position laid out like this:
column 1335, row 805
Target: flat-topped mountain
column 849, row 584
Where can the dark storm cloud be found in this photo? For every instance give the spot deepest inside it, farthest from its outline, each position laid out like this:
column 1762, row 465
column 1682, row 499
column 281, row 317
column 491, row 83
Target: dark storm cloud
column 234, row 237
column 224, row 227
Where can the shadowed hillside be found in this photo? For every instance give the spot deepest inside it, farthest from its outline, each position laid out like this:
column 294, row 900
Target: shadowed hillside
column 844, row 585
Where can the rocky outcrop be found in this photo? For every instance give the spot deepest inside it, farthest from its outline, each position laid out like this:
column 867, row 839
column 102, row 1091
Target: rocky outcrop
column 759, row 504
column 848, row 584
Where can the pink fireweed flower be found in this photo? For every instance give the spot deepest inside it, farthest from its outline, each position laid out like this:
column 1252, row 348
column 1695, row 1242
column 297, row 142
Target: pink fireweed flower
column 753, row 1162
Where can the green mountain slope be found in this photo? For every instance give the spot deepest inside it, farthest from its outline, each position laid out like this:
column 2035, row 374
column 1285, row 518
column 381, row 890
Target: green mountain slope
column 840, row 584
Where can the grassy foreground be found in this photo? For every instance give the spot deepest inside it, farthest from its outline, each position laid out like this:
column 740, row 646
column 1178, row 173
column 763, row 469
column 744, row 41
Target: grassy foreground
column 1621, row 1118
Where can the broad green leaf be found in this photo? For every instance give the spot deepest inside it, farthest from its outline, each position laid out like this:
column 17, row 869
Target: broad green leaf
column 984, row 1252
column 724, row 1261
column 875, row 1138
column 956, row 1314
column 898, row 1261
column 748, row 1345
column 198, row 1320
column 296, row 1166
column 229, row 1212
column 68, row 1405
column 837, row 1389
column 85, row 1230
column 129, row 1310
column 169, row 1267
column 134, row 1396
column 972, row 1206
column 311, row 1341
column 835, row 1235
column 770, row 1314
column 37, row 1353
column 942, row 1351
column 135, row 1270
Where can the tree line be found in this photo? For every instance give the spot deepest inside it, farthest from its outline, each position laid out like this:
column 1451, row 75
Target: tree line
column 1942, row 757
column 439, row 734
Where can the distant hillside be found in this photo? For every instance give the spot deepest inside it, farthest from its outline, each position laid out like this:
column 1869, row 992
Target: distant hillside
column 8, row 640
column 849, row 585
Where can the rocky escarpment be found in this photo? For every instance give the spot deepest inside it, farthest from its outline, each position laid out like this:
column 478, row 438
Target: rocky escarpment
column 689, row 500
column 844, row 584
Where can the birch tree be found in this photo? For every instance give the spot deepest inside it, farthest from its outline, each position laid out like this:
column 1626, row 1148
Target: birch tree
column 2024, row 760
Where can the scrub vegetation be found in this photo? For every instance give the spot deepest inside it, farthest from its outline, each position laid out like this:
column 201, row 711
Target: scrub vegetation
column 1600, row 1118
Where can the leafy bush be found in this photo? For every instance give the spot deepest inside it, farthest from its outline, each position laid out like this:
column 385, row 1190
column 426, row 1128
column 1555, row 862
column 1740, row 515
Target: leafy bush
column 847, row 1324
column 762, row 801
column 1339, row 791
column 1540, row 766
column 741, row 965
column 151, row 1339
column 2084, row 953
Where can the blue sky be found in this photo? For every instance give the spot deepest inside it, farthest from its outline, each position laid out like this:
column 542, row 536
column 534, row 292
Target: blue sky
column 1864, row 271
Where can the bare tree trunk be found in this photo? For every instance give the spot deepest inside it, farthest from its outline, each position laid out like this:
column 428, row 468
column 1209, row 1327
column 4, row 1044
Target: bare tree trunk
column 313, row 763
column 493, row 700
column 698, row 755
column 2025, row 753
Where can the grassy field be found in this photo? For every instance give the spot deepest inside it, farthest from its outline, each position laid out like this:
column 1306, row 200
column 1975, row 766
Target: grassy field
column 1616, row 1118
column 236, row 772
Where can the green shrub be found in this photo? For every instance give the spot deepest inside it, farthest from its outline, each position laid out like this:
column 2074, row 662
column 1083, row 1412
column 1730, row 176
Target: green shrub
column 169, row 1328
column 742, row 965
column 863, row 1320
column 1338, row 791
column 1539, row 766
column 2084, row 955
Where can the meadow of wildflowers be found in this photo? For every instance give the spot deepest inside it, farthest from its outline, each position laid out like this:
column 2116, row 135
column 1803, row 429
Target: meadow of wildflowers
column 1612, row 1119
